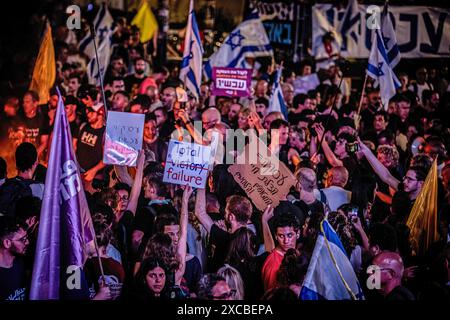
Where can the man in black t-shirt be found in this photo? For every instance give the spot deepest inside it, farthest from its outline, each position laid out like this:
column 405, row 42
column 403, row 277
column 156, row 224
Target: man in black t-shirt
column 238, row 213
column 137, row 77
column 34, row 122
column 155, row 192
column 13, row 245
column 89, row 142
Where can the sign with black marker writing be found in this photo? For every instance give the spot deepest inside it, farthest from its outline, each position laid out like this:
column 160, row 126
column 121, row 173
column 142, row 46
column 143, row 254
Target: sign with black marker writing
column 124, row 132
column 187, row 164
column 265, row 179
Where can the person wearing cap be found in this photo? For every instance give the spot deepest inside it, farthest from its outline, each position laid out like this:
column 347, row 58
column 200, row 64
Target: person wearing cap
column 89, row 142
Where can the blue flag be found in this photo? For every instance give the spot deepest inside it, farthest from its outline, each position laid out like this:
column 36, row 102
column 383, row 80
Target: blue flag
column 380, row 70
column 249, row 39
column 277, row 102
column 191, row 66
column 65, row 225
column 330, row 275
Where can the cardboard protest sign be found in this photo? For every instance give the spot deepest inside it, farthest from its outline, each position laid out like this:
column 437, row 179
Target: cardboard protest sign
column 187, row 164
column 264, row 178
column 124, row 132
column 232, row 82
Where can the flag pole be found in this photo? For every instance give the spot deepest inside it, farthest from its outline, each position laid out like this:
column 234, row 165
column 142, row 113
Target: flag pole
column 99, row 258
column 357, row 118
column 93, row 35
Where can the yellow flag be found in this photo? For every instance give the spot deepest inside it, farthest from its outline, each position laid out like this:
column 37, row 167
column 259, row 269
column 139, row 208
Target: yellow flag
column 146, row 22
column 422, row 220
column 44, row 72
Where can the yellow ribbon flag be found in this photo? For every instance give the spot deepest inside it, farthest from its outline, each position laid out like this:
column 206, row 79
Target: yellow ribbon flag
column 146, row 22
column 44, row 72
column 422, row 220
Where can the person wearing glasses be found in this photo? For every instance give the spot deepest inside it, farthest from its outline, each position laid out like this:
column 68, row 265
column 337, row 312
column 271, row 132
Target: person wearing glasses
column 13, row 246
column 412, row 181
column 214, row 287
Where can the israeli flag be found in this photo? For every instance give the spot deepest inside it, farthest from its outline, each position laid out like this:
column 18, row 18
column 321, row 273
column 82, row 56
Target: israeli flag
column 380, row 70
column 349, row 25
column 103, row 24
column 330, row 275
column 191, row 66
column 276, row 102
column 104, row 55
column 389, row 38
column 249, row 39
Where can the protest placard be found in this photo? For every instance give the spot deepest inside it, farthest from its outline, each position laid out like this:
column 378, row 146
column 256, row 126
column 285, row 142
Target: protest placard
column 187, row 164
column 124, row 132
column 232, row 82
column 265, row 179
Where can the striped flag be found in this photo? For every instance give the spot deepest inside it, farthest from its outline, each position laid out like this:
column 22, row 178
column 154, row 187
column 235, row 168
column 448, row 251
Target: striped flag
column 389, row 38
column 103, row 24
column 330, row 275
column 276, row 102
column 380, row 70
column 249, row 39
column 104, row 55
column 191, row 66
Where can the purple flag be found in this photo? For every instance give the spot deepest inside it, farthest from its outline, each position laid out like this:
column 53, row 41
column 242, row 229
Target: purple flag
column 65, row 223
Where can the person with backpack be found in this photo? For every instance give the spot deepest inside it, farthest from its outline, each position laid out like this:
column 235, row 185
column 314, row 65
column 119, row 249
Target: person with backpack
column 334, row 194
column 24, row 184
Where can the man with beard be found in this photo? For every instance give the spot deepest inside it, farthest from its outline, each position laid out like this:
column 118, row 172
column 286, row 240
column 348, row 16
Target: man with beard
column 238, row 213
column 412, row 181
column 138, row 76
column 13, row 246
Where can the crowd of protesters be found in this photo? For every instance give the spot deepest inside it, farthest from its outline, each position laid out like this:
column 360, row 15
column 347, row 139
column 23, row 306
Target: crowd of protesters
column 163, row 241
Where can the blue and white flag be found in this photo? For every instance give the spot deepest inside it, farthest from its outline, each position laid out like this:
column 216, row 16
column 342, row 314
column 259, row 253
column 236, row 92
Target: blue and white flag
column 330, row 275
column 249, row 39
column 389, row 38
column 104, row 55
column 380, row 70
column 103, row 24
column 350, row 25
column 276, row 102
column 191, row 66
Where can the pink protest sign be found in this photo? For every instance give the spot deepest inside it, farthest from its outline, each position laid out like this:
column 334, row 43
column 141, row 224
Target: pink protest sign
column 231, row 82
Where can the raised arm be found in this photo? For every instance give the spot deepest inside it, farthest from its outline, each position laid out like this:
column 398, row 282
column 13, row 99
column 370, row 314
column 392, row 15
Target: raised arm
column 269, row 244
column 329, row 154
column 137, row 184
column 197, row 136
column 182, row 247
column 200, row 210
column 123, row 175
column 378, row 167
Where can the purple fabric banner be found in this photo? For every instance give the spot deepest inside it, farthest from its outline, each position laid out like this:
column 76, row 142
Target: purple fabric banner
column 65, row 223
